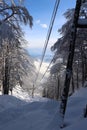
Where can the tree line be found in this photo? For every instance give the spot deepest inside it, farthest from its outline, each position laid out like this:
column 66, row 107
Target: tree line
column 14, row 60
column 55, row 82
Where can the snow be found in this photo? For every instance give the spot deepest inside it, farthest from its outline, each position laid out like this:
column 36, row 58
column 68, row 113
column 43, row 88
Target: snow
column 43, row 67
column 10, row 102
column 39, row 80
column 20, row 93
column 42, row 113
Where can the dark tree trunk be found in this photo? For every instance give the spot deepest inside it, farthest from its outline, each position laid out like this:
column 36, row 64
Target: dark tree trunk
column 6, row 74
column 73, row 86
column 64, row 97
column 6, row 78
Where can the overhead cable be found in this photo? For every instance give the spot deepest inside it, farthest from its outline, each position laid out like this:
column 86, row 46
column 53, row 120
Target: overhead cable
column 48, row 34
column 47, row 69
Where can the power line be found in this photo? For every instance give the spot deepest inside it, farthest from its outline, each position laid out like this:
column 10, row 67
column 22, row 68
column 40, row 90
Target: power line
column 50, row 29
column 48, row 34
column 47, row 68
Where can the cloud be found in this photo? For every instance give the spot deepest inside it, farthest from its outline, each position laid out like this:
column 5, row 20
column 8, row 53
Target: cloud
column 43, row 25
column 38, row 21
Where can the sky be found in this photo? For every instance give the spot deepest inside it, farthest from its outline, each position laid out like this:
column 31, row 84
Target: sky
column 41, row 11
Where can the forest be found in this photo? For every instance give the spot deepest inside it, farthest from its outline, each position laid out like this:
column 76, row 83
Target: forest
column 66, row 74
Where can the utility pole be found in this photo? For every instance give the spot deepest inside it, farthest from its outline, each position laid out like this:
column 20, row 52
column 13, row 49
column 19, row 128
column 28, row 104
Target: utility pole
column 64, row 96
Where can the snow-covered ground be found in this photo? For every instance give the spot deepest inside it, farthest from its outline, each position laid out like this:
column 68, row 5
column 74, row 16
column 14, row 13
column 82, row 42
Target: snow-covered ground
column 42, row 114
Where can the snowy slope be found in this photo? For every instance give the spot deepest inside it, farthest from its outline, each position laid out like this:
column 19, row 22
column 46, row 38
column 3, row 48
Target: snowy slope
column 43, row 114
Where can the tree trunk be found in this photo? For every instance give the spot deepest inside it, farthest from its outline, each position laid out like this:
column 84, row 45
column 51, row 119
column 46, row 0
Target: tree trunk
column 77, row 75
column 82, row 66
column 6, row 78
column 73, row 86
column 33, row 90
column 85, row 68
column 58, row 87
column 64, row 97
column 6, row 74
column 83, row 74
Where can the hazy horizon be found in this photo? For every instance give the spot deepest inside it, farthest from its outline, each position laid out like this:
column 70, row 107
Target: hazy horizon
column 37, row 53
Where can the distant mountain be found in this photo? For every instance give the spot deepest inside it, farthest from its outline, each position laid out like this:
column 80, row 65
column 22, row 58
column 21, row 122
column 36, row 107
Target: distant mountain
column 37, row 54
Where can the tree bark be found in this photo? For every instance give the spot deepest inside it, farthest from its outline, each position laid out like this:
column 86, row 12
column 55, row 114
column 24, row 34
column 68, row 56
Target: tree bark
column 73, row 86
column 6, row 78
column 6, row 74
column 77, row 75
column 58, row 86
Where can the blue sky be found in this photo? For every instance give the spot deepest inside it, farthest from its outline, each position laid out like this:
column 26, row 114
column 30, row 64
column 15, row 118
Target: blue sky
column 41, row 10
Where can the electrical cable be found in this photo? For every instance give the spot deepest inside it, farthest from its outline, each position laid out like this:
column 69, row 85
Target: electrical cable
column 47, row 69
column 48, row 35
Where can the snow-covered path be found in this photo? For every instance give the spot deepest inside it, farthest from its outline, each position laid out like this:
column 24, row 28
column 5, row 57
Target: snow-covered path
column 28, row 116
column 16, row 114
